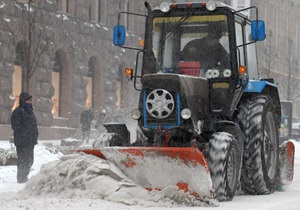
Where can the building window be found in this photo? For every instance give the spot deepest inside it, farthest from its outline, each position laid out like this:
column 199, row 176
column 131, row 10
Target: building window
column 130, row 18
column 66, row 6
column 98, row 11
column 16, row 85
column 118, row 94
column 55, row 97
column 123, row 8
column 241, row 4
column 89, row 90
column 61, row 98
column 90, row 85
column 19, row 58
column 93, row 11
column 56, row 81
column 17, row 77
column 97, row 80
column 126, row 19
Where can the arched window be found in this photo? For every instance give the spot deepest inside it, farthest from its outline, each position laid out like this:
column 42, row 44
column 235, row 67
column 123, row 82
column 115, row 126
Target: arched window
column 90, row 84
column 96, row 83
column 56, row 82
column 17, row 77
column 61, row 84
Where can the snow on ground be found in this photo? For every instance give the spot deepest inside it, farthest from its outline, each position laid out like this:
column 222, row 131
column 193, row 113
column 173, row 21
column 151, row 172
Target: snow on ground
column 79, row 181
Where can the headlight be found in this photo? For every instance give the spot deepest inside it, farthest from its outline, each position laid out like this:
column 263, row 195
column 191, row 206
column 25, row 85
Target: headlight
column 227, row 73
column 212, row 73
column 135, row 114
column 164, row 7
column 211, row 5
column 186, row 114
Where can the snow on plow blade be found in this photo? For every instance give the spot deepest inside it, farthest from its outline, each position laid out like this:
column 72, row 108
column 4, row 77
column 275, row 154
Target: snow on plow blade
column 286, row 160
column 160, row 167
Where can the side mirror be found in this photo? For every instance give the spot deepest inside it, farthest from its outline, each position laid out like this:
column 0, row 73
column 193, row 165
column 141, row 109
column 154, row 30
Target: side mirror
column 258, row 30
column 119, row 35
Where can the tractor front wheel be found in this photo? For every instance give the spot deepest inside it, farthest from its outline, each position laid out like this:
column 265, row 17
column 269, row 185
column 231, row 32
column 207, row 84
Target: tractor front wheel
column 224, row 163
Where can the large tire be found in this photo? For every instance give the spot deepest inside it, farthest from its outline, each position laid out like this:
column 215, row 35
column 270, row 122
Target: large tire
column 257, row 119
column 224, row 163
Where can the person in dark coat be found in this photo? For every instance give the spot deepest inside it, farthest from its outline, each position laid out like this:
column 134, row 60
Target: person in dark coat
column 85, row 121
column 24, row 125
column 208, row 50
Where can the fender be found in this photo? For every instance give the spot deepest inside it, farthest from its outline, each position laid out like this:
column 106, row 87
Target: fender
column 254, row 86
column 268, row 88
column 233, row 129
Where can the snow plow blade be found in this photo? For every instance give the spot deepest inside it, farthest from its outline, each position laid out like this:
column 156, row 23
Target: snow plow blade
column 286, row 161
column 156, row 168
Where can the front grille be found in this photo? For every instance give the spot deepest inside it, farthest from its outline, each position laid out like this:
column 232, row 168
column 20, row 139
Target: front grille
column 172, row 120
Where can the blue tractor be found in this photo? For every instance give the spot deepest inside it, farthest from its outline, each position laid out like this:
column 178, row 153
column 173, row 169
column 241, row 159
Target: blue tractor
column 202, row 103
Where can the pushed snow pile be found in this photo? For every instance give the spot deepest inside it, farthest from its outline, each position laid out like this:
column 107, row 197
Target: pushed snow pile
column 8, row 157
column 81, row 175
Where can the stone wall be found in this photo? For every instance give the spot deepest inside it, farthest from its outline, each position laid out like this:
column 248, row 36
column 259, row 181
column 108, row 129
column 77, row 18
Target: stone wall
column 77, row 39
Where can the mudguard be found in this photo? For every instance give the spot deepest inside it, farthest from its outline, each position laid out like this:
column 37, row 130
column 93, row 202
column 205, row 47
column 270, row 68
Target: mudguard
column 286, row 163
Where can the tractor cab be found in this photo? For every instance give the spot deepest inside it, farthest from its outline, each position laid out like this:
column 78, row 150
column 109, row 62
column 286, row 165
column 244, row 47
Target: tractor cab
column 205, row 40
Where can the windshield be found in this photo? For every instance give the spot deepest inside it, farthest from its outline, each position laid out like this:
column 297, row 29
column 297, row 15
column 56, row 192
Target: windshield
column 192, row 45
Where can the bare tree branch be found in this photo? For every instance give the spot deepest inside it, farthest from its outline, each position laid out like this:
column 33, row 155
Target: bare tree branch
column 34, row 42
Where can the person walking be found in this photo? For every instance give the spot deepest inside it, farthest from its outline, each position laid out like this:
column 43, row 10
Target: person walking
column 85, row 121
column 24, row 125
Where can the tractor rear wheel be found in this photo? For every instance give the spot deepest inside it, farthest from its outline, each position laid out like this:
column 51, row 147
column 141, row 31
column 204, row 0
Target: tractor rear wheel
column 224, row 163
column 257, row 119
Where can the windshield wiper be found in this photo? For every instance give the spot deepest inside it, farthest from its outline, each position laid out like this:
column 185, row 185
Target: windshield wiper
column 165, row 36
column 175, row 27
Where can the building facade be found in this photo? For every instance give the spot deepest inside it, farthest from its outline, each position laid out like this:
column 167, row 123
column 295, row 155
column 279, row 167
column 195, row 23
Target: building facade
column 61, row 52
column 279, row 54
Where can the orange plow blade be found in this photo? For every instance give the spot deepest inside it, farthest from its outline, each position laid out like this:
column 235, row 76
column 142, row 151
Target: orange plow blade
column 156, row 168
column 286, row 160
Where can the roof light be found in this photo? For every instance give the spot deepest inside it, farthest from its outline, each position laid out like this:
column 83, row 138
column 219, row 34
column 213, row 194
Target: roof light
column 211, row 5
column 164, row 7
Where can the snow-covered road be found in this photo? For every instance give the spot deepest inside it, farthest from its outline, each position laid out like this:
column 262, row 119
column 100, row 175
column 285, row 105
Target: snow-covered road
column 57, row 186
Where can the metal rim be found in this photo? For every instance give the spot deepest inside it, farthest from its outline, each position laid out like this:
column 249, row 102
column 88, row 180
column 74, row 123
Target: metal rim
column 231, row 169
column 269, row 146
